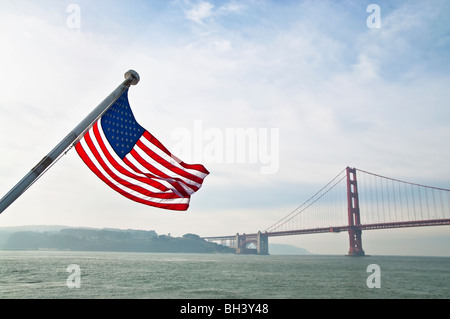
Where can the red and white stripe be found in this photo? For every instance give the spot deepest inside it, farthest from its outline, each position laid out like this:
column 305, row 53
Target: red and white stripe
column 148, row 174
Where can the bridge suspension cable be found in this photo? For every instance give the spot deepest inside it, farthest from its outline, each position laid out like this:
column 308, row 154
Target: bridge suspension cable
column 384, row 200
column 335, row 205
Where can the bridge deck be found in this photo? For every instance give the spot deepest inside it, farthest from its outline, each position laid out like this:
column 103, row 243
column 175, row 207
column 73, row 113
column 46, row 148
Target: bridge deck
column 337, row 229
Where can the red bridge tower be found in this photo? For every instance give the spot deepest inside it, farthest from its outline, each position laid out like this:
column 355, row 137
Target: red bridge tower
column 354, row 220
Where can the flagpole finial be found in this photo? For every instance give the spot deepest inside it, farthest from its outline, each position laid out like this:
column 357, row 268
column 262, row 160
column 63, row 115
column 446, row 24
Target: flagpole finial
column 134, row 75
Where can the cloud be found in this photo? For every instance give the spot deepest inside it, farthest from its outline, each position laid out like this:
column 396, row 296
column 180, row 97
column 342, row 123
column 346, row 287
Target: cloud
column 199, row 12
column 211, row 17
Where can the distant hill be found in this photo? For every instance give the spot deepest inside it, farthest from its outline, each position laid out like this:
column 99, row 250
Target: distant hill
column 111, row 239
column 282, row 249
column 93, row 239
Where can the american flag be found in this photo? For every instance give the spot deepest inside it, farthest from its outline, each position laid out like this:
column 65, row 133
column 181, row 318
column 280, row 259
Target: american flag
column 135, row 164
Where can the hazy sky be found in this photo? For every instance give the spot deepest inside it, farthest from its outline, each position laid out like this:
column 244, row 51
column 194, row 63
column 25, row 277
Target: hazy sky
column 315, row 86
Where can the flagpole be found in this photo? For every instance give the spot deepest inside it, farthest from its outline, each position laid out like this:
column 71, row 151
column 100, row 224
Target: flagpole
column 131, row 78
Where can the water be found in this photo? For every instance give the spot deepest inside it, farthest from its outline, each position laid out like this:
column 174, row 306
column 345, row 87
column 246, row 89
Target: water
column 43, row 274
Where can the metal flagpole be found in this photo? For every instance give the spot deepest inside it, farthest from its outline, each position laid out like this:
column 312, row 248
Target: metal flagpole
column 131, row 78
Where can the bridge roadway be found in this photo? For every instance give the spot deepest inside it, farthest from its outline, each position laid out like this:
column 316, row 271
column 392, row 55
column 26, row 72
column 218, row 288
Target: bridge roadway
column 337, row 229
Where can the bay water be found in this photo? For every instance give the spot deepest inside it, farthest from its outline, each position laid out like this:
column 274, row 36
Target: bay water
column 107, row 275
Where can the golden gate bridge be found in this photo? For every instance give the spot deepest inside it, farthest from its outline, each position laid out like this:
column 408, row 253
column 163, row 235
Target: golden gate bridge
column 353, row 201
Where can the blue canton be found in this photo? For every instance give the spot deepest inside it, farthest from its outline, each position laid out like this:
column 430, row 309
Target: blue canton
column 120, row 127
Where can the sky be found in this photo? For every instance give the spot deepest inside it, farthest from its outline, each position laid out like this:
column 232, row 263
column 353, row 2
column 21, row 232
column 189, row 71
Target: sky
column 312, row 86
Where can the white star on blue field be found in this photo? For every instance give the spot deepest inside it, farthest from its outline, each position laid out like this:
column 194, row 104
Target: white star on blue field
column 120, row 126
